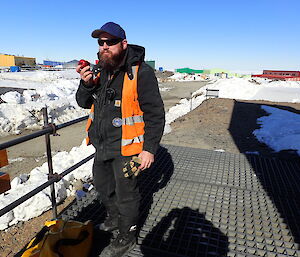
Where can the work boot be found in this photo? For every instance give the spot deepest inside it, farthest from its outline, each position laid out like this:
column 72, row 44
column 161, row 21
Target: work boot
column 123, row 243
column 110, row 223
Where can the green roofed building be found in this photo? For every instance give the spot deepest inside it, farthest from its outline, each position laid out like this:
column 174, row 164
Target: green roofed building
column 215, row 72
column 188, row 70
column 151, row 64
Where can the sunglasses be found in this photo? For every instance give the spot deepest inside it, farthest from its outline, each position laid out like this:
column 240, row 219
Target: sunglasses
column 109, row 42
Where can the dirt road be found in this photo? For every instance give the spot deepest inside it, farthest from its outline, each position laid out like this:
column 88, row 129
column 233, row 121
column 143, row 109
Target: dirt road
column 174, row 91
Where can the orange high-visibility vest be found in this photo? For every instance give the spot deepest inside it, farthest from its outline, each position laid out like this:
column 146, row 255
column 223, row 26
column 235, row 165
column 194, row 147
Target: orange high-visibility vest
column 88, row 124
column 132, row 118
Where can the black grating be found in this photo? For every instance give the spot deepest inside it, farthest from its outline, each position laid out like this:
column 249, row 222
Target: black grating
column 203, row 203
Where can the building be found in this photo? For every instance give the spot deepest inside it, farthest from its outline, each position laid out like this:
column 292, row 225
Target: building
column 221, row 73
column 218, row 72
column 7, row 60
column 52, row 63
column 151, row 64
column 188, row 71
column 214, row 72
column 279, row 75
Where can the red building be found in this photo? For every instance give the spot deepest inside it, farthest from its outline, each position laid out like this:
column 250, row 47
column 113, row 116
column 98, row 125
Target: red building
column 280, row 75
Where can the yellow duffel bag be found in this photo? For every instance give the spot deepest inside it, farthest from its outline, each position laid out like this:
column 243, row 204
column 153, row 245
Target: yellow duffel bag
column 61, row 238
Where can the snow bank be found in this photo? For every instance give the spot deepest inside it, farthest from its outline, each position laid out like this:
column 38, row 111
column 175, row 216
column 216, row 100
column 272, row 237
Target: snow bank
column 244, row 89
column 41, row 202
column 56, row 90
column 280, row 130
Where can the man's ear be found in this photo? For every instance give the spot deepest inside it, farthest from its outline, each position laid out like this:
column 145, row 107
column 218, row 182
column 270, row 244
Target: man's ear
column 124, row 43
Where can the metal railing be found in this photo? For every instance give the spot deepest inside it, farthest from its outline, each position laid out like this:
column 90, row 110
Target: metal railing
column 49, row 128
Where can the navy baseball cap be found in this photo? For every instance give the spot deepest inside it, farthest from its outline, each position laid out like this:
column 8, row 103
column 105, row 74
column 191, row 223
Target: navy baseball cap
column 110, row 28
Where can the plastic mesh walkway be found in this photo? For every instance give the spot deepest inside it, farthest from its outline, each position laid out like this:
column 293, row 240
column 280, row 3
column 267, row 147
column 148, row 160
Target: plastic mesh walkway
column 203, row 203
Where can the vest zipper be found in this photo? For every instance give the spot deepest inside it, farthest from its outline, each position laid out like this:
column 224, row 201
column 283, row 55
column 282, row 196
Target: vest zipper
column 100, row 121
column 103, row 131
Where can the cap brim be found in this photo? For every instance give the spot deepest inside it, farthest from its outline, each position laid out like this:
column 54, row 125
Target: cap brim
column 96, row 33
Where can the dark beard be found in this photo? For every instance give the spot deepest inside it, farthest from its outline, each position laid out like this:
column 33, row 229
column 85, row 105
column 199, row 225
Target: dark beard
column 111, row 62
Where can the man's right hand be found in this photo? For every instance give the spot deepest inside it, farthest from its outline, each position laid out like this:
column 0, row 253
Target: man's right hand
column 86, row 75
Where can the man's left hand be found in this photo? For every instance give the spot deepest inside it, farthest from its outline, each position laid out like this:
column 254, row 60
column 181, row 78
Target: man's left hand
column 147, row 160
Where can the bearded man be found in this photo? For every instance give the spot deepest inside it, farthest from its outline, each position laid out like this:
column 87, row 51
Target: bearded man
column 127, row 120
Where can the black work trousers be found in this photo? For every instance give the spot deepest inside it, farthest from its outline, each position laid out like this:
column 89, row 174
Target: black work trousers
column 117, row 192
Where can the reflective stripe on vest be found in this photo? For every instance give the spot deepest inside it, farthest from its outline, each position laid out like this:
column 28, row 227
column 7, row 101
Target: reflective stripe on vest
column 132, row 120
column 137, row 139
column 132, row 117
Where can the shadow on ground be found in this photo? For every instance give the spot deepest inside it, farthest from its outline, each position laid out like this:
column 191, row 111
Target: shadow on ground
column 241, row 128
column 277, row 172
column 178, row 231
column 184, row 232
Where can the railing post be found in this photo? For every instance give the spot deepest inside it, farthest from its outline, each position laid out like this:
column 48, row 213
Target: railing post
column 50, row 166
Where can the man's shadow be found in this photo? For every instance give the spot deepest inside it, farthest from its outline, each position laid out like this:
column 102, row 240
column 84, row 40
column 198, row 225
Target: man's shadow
column 185, row 232
column 153, row 180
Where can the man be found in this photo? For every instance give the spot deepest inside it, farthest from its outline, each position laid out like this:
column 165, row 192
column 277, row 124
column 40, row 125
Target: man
column 128, row 120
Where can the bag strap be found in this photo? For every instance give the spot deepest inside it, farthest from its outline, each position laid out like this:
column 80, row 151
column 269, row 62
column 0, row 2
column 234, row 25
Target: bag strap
column 38, row 238
column 67, row 241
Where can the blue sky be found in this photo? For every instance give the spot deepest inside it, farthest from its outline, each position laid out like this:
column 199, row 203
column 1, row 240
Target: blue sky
column 236, row 35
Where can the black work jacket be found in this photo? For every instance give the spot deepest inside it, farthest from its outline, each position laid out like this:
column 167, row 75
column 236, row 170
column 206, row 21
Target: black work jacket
column 104, row 133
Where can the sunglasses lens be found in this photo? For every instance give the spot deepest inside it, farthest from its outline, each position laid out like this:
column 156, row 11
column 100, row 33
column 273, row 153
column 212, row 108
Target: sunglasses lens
column 110, row 42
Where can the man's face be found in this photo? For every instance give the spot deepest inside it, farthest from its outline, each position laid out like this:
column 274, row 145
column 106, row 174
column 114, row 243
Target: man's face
column 111, row 50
